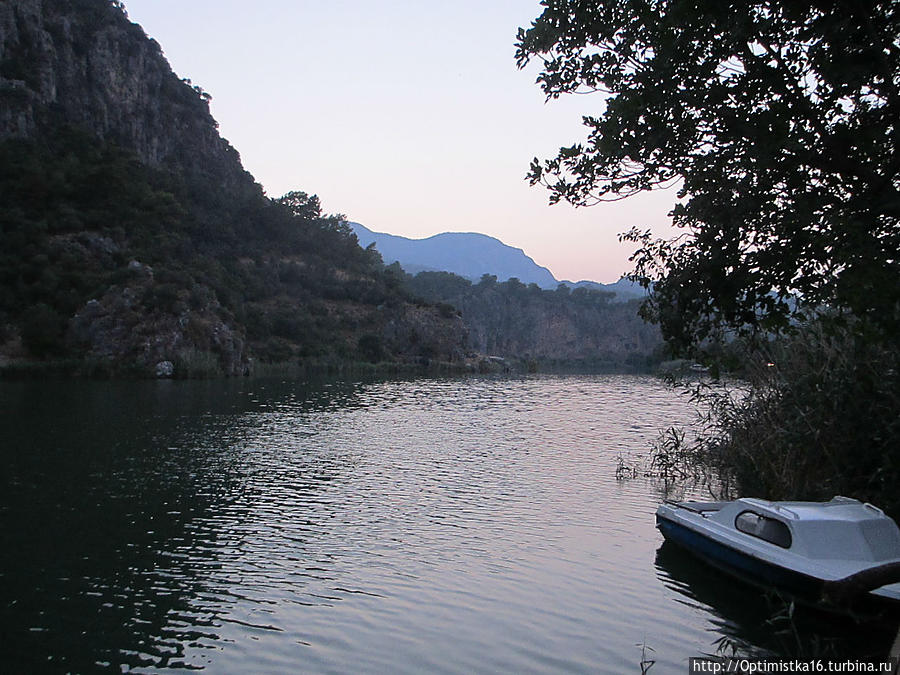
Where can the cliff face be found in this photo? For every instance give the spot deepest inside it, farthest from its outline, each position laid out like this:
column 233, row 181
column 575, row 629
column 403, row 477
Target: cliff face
column 608, row 336
column 82, row 62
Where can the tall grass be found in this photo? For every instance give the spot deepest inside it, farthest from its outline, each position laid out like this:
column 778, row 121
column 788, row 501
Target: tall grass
column 819, row 415
column 197, row 364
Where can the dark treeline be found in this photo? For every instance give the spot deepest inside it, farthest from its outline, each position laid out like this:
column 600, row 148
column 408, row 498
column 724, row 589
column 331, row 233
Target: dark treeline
column 102, row 253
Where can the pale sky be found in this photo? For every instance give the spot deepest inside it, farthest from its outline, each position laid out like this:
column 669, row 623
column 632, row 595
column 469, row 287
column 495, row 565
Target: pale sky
column 408, row 116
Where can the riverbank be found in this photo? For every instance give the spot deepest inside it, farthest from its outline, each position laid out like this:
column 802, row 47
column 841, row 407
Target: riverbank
column 203, row 366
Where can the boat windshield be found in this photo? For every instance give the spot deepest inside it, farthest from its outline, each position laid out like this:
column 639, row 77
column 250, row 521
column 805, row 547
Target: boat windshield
column 768, row 529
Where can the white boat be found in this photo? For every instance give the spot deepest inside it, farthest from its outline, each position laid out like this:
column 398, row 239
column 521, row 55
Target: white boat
column 839, row 554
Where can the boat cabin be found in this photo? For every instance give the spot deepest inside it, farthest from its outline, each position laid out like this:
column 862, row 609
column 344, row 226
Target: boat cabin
column 842, row 529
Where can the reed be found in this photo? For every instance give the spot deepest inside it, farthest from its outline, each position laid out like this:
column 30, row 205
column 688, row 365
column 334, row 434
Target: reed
column 818, row 416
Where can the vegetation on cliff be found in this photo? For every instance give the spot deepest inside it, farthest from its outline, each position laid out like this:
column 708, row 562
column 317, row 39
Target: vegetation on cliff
column 581, row 329
column 779, row 122
column 107, row 259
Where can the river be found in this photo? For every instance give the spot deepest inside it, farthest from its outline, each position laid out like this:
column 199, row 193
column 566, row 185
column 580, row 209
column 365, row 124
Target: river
column 432, row 525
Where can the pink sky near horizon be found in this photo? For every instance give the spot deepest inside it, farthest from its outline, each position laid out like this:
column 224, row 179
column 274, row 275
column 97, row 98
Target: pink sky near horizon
column 409, row 117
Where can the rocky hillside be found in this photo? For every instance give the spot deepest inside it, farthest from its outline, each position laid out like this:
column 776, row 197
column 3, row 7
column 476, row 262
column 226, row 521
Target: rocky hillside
column 132, row 240
column 82, row 63
column 579, row 328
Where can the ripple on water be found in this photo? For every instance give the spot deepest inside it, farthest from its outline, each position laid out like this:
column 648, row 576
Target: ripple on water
column 405, row 526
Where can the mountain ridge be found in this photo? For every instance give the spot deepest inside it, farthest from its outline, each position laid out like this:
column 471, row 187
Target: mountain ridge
column 472, row 255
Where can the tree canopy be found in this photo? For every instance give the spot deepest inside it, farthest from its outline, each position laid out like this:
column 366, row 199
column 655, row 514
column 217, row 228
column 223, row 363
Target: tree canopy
column 302, row 205
column 778, row 123
column 308, row 208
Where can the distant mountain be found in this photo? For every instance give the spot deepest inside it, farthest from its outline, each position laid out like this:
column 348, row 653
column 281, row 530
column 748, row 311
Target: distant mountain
column 472, row 255
column 467, row 254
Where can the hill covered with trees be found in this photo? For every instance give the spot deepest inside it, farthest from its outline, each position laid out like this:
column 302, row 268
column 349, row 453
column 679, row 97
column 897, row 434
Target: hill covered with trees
column 133, row 241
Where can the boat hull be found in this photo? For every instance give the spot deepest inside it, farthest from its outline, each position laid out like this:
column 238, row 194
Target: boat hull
column 747, row 568
column 803, row 588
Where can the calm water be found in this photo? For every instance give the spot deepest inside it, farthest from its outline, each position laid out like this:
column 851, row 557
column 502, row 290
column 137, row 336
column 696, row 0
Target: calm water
column 453, row 525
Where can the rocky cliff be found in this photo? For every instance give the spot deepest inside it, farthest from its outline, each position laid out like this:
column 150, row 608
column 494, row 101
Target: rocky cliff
column 132, row 239
column 82, row 62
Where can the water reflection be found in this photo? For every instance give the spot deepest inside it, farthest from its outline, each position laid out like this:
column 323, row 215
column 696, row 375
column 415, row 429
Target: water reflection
column 123, row 515
column 751, row 622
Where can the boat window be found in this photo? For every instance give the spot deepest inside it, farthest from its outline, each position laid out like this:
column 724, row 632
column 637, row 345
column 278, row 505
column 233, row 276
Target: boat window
column 767, row 529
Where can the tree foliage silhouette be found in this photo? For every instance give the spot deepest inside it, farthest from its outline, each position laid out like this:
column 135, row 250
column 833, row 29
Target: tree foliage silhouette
column 778, row 123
